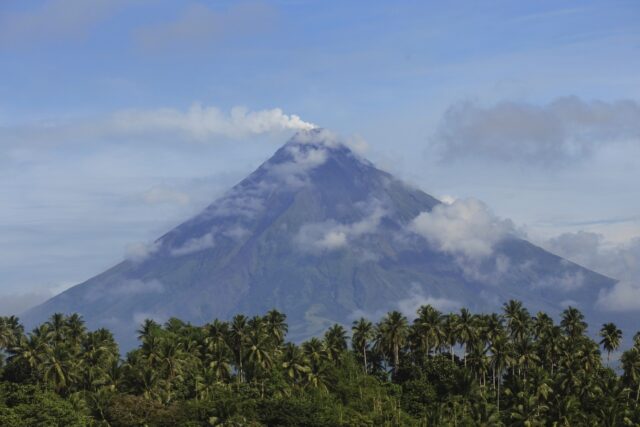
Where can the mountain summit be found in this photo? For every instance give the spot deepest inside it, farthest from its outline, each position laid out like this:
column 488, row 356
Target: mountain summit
column 321, row 234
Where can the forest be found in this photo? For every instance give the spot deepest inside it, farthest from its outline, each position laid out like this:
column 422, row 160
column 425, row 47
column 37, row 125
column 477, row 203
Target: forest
column 440, row 369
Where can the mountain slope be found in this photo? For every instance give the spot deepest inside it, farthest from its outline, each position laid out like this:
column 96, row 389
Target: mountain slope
column 324, row 236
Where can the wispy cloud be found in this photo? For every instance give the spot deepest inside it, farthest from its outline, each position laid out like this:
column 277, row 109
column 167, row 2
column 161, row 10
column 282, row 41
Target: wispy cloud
column 160, row 194
column 199, row 25
column 54, row 20
column 566, row 130
column 125, row 288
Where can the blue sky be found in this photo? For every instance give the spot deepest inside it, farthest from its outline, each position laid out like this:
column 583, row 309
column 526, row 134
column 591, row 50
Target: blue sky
column 116, row 122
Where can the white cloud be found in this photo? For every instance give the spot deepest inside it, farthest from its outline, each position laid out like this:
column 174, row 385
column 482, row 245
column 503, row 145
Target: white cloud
column 410, row 305
column 139, row 251
column 140, row 316
column 566, row 130
column 331, row 235
column 465, row 227
column 195, row 244
column 625, row 296
column 236, row 232
column 447, row 199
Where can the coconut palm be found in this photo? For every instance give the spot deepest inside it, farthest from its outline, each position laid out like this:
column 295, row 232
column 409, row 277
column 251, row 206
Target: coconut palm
column 295, row 363
column 237, row 336
column 258, row 352
column 315, row 352
column 465, row 330
column 611, row 337
column 518, row 319
column 394, row 329
column 276, row 326
column 57, row 328
column 631, row 366
column 573, row 322
column 499, row 361
column 362, row 333
column 335, row 341
column 428, row 326
column 10, row 332
column 450, row 331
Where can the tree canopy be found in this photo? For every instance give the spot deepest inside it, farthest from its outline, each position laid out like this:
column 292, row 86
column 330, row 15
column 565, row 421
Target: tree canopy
column 458, row 369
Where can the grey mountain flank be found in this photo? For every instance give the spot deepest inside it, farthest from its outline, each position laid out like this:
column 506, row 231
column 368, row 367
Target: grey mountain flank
column 323, row 235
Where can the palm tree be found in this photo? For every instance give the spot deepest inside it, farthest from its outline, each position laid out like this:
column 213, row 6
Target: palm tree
column 611, row 337
column 499, row 361
column 315, row 352
column 57, row 368
column 10, row 332
column 57, row 328
column 171, row 363
column 394, row 329
column 573, row 322
column 428, row 325
column 636, row 340
column 518, row 319
column 238, row 334
column 465, row 330
column 276, row 326
column 362, row 333
column 525, row 355
column 295, row 363
column 75, row 329
column 450, row 329
column 258, row 352
column 542, row 323
column 335, row 341
column 631, row 366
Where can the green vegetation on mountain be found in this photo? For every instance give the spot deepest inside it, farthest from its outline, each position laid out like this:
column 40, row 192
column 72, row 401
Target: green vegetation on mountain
column 459, row 369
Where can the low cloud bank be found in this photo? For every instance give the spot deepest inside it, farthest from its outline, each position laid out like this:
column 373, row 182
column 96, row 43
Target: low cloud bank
column 620, row 262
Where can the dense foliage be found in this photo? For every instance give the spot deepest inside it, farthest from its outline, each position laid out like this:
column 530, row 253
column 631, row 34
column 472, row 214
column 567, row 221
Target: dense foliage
column 458, row 369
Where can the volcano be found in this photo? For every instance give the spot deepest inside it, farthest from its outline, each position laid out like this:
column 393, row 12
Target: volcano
column 320, row 233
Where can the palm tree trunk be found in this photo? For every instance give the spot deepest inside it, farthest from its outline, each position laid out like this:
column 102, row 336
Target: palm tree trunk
column 364, row 354
column 396, row 358
column 494, row 378
column 464, row 353
column 498, row 396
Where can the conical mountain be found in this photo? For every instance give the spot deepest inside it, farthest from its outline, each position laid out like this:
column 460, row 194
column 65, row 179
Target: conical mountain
column 323, row 235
